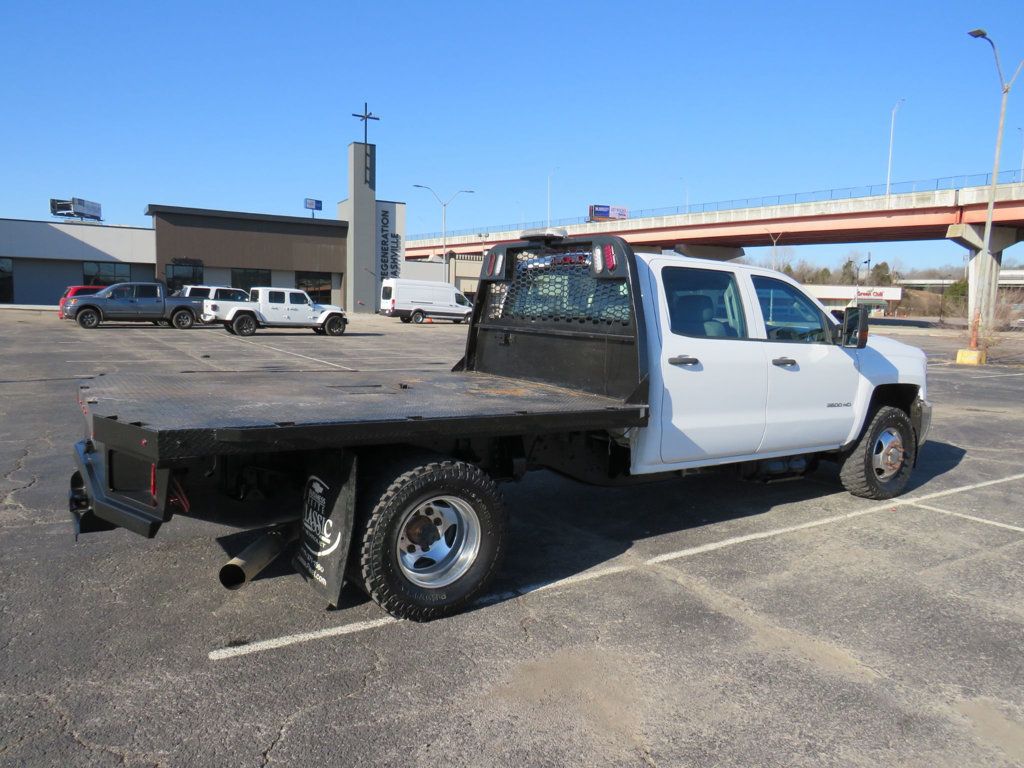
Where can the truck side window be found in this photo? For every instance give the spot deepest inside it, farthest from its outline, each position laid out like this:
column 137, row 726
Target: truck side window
column 146, row 292
column 230, row 294
column 461, row 300
column 789, row 315
column 121, row 292
column 275, row 297
column 703, row 303
column 297, row 298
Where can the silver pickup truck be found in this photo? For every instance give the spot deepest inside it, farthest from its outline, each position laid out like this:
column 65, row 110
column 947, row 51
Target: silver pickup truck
column 133, row 302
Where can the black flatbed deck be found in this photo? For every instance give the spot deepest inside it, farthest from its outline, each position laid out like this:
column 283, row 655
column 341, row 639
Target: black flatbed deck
column 191, row 415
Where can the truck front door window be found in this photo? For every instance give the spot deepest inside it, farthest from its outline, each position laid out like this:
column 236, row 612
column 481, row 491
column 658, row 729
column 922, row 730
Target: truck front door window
column 789, row 315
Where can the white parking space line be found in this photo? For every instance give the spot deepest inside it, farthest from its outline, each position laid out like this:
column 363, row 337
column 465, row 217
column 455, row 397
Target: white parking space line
column 996, row 523
column 296, row 354
column 347, row 629
column 303, row 637
column 995, row 375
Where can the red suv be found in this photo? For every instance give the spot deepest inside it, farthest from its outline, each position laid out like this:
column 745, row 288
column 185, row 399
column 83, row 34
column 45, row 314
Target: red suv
column 76, row 290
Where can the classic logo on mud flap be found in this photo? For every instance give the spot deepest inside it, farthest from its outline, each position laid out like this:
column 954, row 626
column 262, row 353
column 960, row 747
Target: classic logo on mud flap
column 315, row 521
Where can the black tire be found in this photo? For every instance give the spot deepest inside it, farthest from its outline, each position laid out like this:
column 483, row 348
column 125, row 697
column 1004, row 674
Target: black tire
column 387, row 509
column 229, row 329
column 335, row 325
column 88, row 318
column 156, row 323
column 405, row 319
column 418, row 317
column 183, row 320
column 244, row 325
column 457, row 320
column 319, row 331
column 164, row 323
column 877, row 468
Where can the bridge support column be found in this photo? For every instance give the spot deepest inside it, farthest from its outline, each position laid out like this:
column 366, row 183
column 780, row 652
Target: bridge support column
column 983, row 268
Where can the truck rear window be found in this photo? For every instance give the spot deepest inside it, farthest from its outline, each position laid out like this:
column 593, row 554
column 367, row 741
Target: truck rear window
column 556, row 286
column 385, row 293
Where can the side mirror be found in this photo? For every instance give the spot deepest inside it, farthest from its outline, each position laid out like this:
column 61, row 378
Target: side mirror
column 855, row 327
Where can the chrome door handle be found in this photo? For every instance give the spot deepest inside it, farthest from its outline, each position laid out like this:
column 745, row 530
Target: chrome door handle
column 784, row 362
column 683, row 360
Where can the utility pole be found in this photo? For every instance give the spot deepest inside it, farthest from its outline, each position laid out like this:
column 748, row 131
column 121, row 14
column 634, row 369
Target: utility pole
column 444, row 223
column 987, row 271
column 775, row 241
column 892, row 135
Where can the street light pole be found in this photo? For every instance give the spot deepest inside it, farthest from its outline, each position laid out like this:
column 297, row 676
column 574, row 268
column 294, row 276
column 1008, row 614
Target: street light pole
column 1020, row 174
column 987, row 272
column 550, row 174
column 892, row 135
column 444, row 223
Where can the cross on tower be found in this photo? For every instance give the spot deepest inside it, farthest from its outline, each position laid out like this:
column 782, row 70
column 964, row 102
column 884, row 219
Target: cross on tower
column 366, row 117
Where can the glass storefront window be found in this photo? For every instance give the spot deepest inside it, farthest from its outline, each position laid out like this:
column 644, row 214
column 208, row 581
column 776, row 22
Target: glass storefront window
column 178, row 275
column 249, row 278
column 316, row 284
column 105, row 272
column 6, row 281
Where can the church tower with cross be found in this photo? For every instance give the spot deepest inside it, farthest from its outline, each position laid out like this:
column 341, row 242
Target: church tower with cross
column 376, row 232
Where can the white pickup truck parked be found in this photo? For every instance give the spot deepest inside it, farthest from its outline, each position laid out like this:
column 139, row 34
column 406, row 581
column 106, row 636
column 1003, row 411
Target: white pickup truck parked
column 275, row 308
column 582, row 357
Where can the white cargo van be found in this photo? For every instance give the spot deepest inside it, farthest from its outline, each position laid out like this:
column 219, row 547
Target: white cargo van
column 416, row 300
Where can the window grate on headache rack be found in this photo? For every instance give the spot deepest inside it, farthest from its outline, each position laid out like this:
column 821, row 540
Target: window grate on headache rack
column 558, row 288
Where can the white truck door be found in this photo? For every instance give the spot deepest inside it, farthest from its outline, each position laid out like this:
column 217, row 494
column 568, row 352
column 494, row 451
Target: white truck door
column 713, row 374
column 812, row 382
column 300, row 308
column 276, row 307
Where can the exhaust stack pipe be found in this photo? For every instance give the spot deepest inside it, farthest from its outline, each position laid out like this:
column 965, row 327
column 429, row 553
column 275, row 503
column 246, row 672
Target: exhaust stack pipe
column 240, row 570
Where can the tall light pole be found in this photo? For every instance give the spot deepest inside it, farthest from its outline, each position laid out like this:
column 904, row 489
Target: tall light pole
column 1020, row 175
column 550, row 174
column 444, row 222
column 892, row 135
column 987, row 272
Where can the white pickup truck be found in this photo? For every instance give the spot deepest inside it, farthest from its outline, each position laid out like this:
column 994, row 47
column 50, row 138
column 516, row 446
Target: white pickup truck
column 582, row 357
column 275, row 308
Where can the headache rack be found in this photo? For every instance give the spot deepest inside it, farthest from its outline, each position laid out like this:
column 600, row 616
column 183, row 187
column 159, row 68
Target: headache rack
column 564, row 311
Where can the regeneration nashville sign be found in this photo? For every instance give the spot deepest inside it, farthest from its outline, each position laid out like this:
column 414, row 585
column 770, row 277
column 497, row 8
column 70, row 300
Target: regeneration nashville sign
column 390, row 246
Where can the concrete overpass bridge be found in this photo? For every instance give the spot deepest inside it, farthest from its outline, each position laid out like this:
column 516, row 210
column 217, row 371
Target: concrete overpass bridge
column 946, row 211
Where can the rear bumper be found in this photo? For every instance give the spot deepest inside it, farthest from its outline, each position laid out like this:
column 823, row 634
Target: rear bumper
column 94, row 508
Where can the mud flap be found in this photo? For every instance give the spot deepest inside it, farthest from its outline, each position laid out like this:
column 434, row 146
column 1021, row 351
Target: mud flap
column 328, row 514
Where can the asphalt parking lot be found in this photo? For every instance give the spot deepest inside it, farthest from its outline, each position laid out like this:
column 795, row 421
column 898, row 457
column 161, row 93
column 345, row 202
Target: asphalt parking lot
column 699, row 622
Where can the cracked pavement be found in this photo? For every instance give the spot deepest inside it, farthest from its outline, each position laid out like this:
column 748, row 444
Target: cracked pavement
column 890, row 638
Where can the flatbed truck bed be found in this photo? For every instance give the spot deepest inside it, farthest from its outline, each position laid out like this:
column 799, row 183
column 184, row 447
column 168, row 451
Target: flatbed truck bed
column 171, row 417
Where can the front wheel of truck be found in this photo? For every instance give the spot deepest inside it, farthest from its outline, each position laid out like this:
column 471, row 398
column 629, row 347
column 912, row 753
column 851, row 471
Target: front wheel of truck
column 431, row 540
column 880, row 463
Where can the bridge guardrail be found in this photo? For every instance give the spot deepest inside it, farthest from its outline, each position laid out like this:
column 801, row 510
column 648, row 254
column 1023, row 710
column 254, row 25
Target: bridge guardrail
column 842, row 193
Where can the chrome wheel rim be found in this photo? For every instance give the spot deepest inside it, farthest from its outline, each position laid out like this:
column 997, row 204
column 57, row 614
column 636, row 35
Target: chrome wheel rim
column 181, row 320
column 887, row 454
column 438, row 541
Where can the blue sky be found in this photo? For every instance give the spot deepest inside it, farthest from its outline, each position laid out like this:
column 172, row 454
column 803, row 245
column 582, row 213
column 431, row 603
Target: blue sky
column 246, row 106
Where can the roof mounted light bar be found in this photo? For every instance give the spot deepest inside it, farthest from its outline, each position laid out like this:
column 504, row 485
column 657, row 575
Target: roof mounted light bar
column 545, row 234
